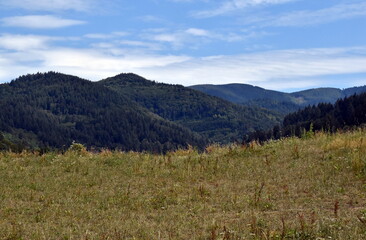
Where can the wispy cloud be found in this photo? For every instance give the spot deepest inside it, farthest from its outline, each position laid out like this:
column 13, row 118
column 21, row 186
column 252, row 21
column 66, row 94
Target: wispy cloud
column 177, row 39
column 195, row 37
column 229, row 6
column 106, row 36
column 140, row 44
column 188, row 1
column 39, row 21
column 307, row 17
column 152, row 19
column 51, row 5
column 326, row 15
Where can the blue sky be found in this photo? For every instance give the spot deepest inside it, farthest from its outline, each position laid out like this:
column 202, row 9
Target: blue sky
column 284, row 45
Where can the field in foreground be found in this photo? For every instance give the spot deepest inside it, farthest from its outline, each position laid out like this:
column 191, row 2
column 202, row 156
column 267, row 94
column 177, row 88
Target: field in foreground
column 311, row 188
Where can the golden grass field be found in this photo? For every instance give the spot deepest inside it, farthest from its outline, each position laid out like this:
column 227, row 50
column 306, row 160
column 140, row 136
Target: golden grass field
column 310, row 188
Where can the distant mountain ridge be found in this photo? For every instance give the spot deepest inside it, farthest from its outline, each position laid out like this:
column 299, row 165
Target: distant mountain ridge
column 278, row 101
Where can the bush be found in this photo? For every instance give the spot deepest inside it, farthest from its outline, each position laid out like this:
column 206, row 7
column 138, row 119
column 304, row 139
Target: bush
column 77, row 147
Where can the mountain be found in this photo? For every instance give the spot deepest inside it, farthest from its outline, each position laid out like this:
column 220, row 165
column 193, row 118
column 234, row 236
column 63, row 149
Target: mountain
column 281, row 102
column 212, row 117
column 53, row 109
column 126, row 112
column 129, row 112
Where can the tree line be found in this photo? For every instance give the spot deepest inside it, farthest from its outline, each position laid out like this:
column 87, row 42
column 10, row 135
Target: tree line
column 345, row 113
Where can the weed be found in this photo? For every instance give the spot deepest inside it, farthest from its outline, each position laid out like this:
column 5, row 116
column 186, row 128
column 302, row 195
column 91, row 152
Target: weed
column 336, row 208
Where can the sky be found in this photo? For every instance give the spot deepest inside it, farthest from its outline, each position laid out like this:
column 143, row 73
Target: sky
column 284, row 45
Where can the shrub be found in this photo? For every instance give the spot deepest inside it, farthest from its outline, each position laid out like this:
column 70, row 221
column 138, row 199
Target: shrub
column 77, row 147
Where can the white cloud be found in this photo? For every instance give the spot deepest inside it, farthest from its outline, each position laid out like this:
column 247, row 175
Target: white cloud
column 51, row 5
column 229, row 6
column 167, row 37
column 39, row 21
column 273, row 69
column 281, row 69
column 96, row 65
column 24, row 42
column 22, row 54
column 198, row 32
column 72, row 58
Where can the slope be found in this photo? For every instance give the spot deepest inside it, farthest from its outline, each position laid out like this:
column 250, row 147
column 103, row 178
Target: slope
column 212, row 117
column 303, row 189
column 52, row 110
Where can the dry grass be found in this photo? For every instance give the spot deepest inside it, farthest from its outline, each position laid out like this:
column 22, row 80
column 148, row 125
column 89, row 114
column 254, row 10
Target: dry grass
column 290, row 189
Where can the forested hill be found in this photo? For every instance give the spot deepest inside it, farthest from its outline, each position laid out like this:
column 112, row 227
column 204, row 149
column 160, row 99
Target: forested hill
column 241, row 93
column 345, row 113
column 279, row 101
column 52, row 110
column 214, row 118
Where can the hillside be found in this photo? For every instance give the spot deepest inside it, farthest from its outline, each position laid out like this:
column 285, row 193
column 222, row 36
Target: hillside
column 281, row 102
column 241, row 93
column 318, row 95
column 290, row 189
column 214, row 118
column 346, row 113
column 51, row 110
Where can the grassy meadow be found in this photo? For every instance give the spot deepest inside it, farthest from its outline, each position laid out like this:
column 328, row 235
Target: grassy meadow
column 310, row 188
